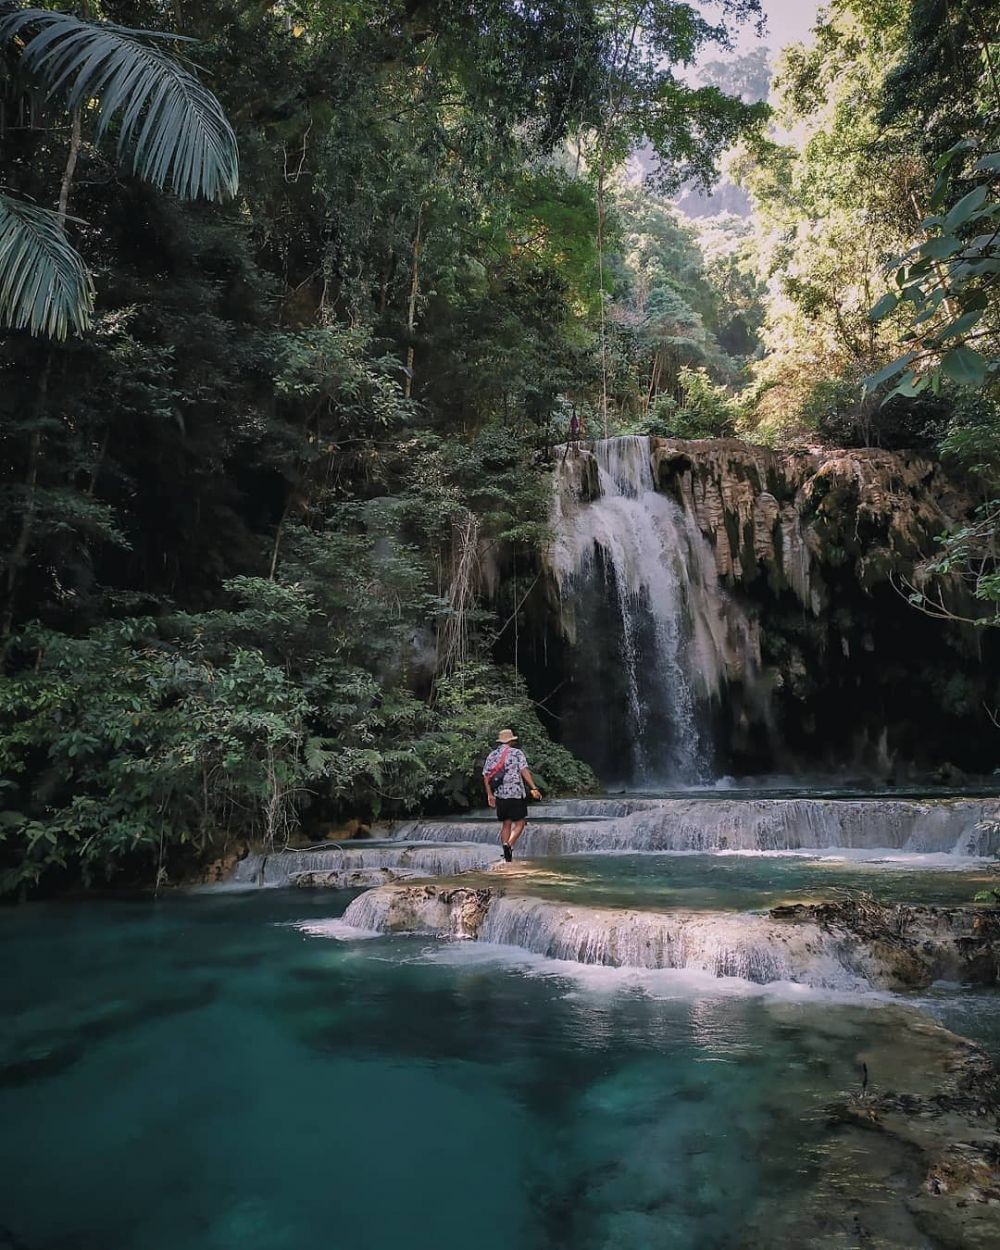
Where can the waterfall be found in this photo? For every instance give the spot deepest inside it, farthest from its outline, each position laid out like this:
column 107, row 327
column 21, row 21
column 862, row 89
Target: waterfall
column 750, row 946
column 676, row 637
column 742, row 945
column 281, row 867
column 956, row 826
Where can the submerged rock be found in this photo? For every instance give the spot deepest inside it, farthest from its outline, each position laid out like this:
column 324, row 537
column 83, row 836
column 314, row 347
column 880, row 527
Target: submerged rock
column 952, row 1123
column 924, row 1128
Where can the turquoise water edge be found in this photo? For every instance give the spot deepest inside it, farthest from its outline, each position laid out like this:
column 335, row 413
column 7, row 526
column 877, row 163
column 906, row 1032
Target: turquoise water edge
column 202, row 1073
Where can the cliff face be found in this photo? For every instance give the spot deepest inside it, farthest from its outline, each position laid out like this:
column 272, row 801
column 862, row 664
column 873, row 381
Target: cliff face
column 821, row 547
column 806, row 558
column 800, row 519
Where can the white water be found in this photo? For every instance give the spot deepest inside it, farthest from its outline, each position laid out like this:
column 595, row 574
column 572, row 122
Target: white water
column 681, row 636
column 961, row 827
column 743, row 945
column 281, row 867
column 737, row 945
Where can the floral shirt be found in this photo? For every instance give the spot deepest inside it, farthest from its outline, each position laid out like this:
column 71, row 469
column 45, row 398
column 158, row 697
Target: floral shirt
column 512, row 785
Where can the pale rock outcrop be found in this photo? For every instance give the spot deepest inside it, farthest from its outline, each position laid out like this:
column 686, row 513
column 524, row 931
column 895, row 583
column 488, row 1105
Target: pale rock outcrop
column 786, row 515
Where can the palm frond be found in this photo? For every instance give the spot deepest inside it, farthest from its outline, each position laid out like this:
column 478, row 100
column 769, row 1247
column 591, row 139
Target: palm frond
column 44, row 285
column 170, row 125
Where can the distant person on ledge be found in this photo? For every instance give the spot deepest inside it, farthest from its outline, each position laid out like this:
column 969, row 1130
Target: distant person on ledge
column 505, row 776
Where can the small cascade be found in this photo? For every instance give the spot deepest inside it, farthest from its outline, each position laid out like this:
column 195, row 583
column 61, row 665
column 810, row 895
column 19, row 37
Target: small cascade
column 637, row 577
column 758, row 948
column 952, row 826
column 742, row 945
column 281, row 868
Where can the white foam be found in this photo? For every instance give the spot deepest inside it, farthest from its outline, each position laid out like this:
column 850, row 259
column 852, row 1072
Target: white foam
column 336, row 928
column 654, row 983
column 968, row 828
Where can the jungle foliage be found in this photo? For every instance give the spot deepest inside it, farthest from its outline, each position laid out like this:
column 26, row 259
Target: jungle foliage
column 877, row 218
column 275, row 434
column 267, row 446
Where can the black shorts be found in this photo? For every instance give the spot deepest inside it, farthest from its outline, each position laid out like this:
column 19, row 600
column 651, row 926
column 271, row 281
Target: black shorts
column 512, row 809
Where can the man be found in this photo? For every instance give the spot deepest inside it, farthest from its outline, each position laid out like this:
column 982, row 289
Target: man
column 505, row 775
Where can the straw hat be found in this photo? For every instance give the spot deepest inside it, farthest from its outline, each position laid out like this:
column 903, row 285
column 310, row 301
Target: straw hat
column 506, row 736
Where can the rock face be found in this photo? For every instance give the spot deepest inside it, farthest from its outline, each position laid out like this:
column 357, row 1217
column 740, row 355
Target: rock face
column 801, row 649
column 912, row 946
column 788, row 517
column 448, row 911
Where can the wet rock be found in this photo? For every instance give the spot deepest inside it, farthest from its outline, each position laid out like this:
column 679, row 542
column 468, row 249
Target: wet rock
column 346, row 831
column 333, row 865
column 913, row 945
column 450, row 911
column 351, row 878
column 953, row 1126
column 222, row 868
column 784, row 514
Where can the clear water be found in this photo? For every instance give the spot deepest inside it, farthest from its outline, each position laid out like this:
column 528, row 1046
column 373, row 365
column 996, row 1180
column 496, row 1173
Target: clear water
column 970, row 1011
column 200, row 1074
column 741, row 882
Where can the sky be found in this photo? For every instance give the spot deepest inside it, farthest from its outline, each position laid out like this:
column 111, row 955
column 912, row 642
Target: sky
column 788, row 21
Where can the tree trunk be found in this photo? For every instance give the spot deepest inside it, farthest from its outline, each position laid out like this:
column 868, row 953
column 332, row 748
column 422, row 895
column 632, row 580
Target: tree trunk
column 411, row 316
column 654, row 380
column 95, row 472
column 279, row 533
column 600, row 270
column 390, row 265
column 19, row 551
column 75, row 143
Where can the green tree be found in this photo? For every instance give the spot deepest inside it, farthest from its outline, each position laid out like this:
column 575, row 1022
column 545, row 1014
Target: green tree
column 833, row 191
column 170, row 130
column 287, row 491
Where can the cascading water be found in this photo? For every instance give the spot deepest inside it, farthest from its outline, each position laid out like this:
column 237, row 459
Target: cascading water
column 678, row 638
column 751, row 946
column 958, row 827
column 282, row 867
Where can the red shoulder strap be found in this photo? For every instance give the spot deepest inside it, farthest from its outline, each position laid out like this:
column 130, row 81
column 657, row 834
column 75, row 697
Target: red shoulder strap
column 501, row 763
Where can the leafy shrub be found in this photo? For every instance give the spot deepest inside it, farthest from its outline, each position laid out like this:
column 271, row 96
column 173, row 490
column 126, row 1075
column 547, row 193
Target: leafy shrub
column 473, row 706
column 706, row 410
column 143, row 746
column 118, row 747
